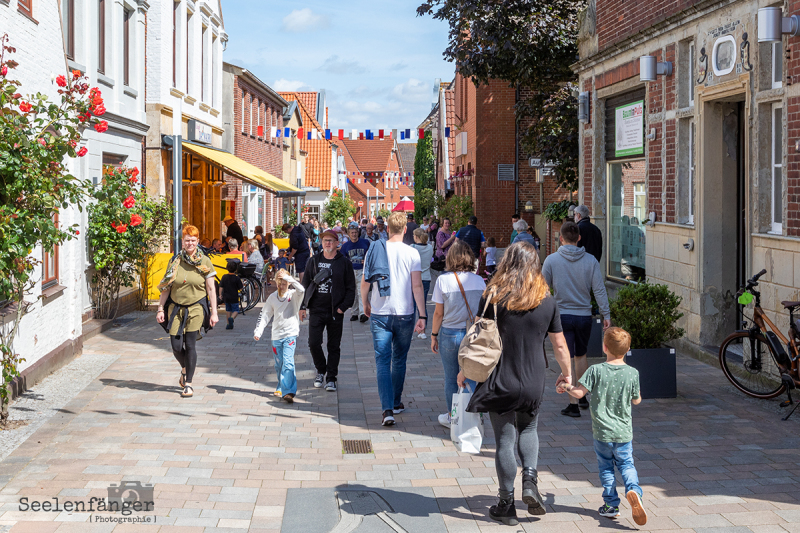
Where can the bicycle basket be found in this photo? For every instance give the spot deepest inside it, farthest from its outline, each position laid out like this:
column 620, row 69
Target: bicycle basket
column 246, row 270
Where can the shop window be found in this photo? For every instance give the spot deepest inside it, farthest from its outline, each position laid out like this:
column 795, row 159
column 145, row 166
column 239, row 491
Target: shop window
column 50, row 265
column 776, row 193
column 627, row 230
column 777, row 65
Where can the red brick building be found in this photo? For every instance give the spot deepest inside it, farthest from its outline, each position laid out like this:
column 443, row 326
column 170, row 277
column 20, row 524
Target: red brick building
column 375, row 166
column 256, row 110
column 705, row 153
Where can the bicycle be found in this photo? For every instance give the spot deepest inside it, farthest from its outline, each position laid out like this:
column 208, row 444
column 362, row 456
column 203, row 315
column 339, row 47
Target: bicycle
column 743, row 354
column 250, row 294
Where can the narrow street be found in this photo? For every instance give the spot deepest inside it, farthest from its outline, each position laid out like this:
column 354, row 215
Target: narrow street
column 234, row 458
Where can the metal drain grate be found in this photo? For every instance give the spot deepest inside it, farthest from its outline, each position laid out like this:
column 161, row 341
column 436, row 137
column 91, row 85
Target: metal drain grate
column 357, row 446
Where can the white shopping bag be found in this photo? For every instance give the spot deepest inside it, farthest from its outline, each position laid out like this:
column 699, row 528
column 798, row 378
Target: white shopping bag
column 466, row 429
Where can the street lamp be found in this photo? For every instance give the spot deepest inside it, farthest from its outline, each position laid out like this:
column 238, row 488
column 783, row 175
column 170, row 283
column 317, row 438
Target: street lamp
column 649, row 68
column 529, row 207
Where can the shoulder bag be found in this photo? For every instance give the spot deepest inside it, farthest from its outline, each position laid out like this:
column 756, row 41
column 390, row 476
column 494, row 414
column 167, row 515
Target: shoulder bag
column 481, row 347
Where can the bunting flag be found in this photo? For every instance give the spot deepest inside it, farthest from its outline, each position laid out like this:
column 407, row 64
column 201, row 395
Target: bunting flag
column 408, row 134
column 308, row 134
column 260, row 131
column 278, row 134
column 341, row 134
column 299, row 133
column 421, row 133
column 447, row 131
column 361, row 136
column 380, row 134
column 328, row 135
column 273, row 131
column 287, row 132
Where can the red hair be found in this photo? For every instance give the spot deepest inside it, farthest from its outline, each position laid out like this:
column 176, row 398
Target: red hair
column 191, row 231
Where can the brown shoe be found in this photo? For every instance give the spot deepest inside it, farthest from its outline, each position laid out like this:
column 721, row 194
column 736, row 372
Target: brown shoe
column 289, row 398
column 639, row 516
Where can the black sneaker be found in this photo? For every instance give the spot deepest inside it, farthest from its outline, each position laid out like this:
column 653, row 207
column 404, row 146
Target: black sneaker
column 583, row 403
column 388, row 419
column 364, row 318
column 319, row 380
column 354, row 317
column 399, row 409
column 330, row 386
column 572, row 410
column 608, row 511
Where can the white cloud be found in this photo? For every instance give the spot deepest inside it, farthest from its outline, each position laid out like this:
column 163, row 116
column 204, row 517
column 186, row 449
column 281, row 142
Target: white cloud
column 304, row 20
column 290, row 85
column 413, row 90
column 335, row 65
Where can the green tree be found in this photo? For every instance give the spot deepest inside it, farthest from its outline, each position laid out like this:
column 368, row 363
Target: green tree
column 424, row 171
column 531, row 45
column 338, row 206
column 458, row 209
column 36, row 135
column 384, row 213
column 425, row 202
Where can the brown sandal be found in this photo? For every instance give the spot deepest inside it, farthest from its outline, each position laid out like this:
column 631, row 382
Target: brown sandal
column 188, row 392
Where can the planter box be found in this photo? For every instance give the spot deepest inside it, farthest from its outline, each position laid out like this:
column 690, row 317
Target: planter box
column 657, row 371
column 595, row 348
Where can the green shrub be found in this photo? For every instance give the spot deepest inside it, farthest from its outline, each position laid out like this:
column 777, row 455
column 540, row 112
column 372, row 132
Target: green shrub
column 558, row 211
column 648, row 312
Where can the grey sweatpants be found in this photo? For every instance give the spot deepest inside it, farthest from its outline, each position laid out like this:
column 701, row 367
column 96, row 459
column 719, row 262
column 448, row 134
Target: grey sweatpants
column 506, row 427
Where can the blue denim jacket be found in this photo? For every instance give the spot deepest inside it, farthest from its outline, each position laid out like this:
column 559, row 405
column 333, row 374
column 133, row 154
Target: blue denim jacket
column 376, row 267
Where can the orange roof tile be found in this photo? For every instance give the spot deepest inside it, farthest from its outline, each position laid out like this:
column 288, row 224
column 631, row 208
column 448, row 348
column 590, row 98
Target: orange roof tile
column 450, row 104
column 309, row 118
column 318, row 163
column 308, row 99
column 407, row 152
column 371, row 156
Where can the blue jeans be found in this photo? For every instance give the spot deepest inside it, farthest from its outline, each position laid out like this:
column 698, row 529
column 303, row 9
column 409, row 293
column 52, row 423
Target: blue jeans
column 449, row 341
column 283, row 350
column 391, row 337
column 619, row 454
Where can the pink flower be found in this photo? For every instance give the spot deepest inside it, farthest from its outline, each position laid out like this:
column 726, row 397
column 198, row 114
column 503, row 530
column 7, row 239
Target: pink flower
column 82, row 151
column 25, row 107
column 42, row 142
column 61, row 81
column 101, row 126
column 129, row 202
column 4, row 70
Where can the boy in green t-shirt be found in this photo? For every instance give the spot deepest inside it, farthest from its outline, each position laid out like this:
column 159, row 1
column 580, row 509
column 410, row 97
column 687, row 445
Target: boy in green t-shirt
column 614, row 386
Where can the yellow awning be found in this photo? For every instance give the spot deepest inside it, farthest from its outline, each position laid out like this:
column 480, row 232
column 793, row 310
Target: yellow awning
column 244, row 170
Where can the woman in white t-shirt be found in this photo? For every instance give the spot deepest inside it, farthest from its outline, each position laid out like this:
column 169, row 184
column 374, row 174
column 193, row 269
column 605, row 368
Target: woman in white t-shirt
column 453, row 314
column 425, row 255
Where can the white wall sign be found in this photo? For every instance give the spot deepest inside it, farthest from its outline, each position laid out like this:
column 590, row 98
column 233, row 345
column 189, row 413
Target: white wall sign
column 199, row 132
column 629, row 129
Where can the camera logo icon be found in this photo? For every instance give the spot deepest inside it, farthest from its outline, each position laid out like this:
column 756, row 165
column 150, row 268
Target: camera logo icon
column 127, row 493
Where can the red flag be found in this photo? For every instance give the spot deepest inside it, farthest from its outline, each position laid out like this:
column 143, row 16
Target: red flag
column 261, row 131
column 299, row 133
column 341, row 134
column 361, row 136
column 380, row 134
column 421, row 133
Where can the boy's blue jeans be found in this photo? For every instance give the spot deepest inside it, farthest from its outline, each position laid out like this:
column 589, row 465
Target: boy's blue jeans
column 283, row 350
column 391, row 337
column 619, row 454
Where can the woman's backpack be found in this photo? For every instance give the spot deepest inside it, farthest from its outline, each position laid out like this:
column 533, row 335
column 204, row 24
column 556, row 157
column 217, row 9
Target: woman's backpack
column 481, row 347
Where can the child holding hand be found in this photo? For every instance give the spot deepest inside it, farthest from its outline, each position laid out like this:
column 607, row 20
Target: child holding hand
column 614, row 386
column 282, row 308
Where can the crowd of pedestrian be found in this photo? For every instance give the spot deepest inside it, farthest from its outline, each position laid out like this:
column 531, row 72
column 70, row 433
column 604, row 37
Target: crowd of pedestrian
column 384, row 271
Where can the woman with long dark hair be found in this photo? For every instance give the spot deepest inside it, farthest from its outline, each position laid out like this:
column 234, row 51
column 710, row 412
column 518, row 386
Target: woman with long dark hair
column 512, row 395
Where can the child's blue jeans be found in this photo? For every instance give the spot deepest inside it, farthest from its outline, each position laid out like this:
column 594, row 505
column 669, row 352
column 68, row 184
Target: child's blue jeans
column 619, row 454
column 283, row 350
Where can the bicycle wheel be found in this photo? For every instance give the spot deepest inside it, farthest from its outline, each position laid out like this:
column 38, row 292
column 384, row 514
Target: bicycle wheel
column 748, row 362
column 248, row 297
column 256, row 293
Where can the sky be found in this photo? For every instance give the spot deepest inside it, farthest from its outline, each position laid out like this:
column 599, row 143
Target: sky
column 376, row 60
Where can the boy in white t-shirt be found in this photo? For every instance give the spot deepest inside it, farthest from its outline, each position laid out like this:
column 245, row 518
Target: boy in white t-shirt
column 491, row 255
column 392, row 316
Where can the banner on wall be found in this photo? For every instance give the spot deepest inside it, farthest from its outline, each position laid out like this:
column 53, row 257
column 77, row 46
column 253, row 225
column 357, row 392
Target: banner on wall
column 629, row 129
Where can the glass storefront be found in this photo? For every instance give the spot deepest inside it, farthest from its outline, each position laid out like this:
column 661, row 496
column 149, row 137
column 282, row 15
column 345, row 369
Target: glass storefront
column 627, row 230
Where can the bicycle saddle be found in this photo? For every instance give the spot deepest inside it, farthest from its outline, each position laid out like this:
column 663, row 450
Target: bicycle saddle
column 787, row 304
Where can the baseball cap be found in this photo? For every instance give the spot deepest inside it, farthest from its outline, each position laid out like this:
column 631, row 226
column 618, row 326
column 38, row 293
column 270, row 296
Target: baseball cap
column 329, row 233
column 379, row 220
column 353, row 225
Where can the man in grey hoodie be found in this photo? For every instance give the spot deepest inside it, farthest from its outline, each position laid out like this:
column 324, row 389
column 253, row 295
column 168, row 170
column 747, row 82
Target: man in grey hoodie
column 574, row 275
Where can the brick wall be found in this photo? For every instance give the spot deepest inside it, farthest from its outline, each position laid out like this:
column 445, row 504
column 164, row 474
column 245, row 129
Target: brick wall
column 265, row 152
column 619, row 19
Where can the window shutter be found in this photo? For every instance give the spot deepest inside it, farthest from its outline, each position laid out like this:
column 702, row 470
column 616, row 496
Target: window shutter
column 505, row 172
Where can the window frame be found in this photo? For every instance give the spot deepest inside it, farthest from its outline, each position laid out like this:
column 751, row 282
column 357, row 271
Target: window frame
column 50, row 280
column 25, row 7
column 203, row 30
column 692, row 168
column 101, row 36
column 777, row 61
column 244, row 98
column 608, row 243
column 68, row 28
column 691, row 73
column 777, row 126
column 126, row 47
column 175, row 7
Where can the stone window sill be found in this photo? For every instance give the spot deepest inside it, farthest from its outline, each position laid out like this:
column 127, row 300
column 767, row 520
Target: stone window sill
column 53, row 290
column 105, row 80
column 130, row 92
column 177, row 92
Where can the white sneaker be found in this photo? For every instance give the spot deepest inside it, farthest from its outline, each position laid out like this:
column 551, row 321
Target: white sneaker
column 422, row 336
column 444, row 419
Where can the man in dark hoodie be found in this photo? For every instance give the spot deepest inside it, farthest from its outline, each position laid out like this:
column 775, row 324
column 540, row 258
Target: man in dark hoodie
column 574, row 275
column 330, row 291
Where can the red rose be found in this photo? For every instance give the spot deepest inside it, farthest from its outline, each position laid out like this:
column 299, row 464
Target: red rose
column 135, row 220
column 77, row 232
column 4, row 70
column 122, row 228
column 82, row 118
column 132, row 180
column 61, row 81
column 101, row 126
column 42, row 142
column 135, row 172
column 16, row 95
column 25, row 107
column 128, row 202
column 99, row 110
column 82, row 151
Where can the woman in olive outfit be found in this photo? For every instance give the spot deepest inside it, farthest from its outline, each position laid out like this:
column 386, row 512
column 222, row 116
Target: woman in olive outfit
column 189, row 298
column 526, row 313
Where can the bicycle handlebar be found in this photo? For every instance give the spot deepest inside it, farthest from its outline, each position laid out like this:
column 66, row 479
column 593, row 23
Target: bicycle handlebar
column 754, row 280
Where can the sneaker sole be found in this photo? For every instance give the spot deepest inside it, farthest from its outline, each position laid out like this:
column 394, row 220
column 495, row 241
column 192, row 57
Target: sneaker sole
column 398, row 411
column 607, row 515
column 639, row 514
column 317, row 385
column 388, row 421
column 445, row 425
column 571, row 414
column 329, row 389
column 507, row 520
column 534, row 507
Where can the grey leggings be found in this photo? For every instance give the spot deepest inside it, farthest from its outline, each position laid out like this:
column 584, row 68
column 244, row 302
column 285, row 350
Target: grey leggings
column 183, row 348
column 505, row 428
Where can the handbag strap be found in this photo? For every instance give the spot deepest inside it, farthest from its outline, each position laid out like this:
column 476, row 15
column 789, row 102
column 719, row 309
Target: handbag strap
column 486, row 304
column 464, row 295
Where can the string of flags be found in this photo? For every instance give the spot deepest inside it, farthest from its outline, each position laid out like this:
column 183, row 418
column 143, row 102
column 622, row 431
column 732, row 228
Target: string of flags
column 392, row 178
column 368, row 135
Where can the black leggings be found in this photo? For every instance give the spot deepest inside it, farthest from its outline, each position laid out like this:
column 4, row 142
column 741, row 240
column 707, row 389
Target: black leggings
column 184, row 349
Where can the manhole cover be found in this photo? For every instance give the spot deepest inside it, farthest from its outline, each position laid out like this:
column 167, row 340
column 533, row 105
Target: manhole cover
column 357, row 446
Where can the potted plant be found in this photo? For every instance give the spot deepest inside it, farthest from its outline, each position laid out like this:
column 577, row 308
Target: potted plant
column 649, row 313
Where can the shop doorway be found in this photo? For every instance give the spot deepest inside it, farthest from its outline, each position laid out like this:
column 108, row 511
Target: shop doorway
column 724, row 225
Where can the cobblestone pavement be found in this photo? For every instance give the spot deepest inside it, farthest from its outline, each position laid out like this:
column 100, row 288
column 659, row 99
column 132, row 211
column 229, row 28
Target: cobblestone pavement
column 710, row 461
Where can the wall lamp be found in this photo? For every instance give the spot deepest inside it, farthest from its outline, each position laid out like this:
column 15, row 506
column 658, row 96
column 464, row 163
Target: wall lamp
column 649, row 68
column 583, row 107
column 772, row 25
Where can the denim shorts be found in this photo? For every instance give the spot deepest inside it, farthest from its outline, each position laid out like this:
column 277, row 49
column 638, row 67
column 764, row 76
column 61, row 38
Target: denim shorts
column 577, row 331
column 232, row 308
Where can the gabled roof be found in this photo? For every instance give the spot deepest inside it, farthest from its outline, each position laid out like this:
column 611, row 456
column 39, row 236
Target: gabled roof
column 407, row 152
column 370, row 156
column 318, row 163
column 309, row 119
column 308, row 99
column 349, row 162
column 291, row 110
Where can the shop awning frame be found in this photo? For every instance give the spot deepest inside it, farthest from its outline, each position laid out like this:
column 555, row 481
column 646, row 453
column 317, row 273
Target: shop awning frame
column 243, row 170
